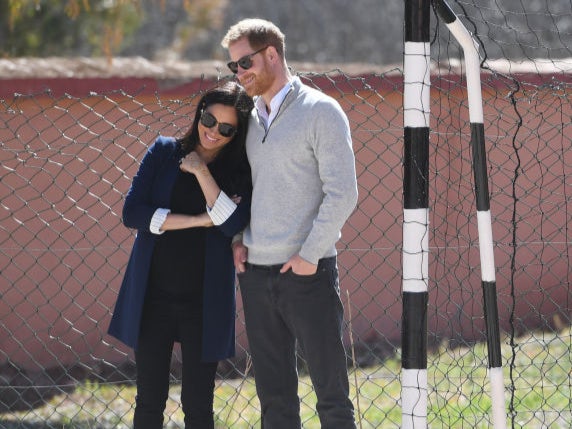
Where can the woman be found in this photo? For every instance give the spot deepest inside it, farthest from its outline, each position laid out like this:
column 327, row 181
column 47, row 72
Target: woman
column 189, row 197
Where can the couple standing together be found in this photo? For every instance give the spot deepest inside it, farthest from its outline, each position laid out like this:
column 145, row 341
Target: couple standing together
column 262, row 186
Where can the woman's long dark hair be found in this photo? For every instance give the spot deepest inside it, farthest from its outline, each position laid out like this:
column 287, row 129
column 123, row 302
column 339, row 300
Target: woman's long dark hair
column 231, row 164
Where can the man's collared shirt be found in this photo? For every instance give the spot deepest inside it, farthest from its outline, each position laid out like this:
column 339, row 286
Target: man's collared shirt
column 275, row 103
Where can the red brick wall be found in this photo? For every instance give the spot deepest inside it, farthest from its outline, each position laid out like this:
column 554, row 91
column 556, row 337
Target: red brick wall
column 56, row 302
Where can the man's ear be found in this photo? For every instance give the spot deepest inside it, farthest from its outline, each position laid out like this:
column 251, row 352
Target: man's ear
column 272, row 53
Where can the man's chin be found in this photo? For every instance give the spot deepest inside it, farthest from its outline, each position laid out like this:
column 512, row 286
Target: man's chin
column 251, row 90
column 249, row 86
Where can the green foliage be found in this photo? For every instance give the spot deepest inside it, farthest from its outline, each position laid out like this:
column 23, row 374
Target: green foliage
column 67, row 28
column 44, row 28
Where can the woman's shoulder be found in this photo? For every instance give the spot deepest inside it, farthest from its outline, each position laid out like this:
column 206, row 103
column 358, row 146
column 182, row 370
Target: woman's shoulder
column 165, row 146
column 166, row 142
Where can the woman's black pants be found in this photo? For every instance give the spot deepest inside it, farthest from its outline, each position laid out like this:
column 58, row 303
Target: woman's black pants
column 162, row 324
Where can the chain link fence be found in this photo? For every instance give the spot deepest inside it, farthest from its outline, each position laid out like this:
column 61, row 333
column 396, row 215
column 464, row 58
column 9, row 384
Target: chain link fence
column 67, row 161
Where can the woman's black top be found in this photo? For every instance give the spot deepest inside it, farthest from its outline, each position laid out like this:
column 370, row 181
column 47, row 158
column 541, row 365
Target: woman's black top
column 177, row 266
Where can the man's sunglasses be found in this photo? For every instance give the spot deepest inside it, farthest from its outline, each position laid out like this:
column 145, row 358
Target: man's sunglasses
column 224, row 129
column 244, row 62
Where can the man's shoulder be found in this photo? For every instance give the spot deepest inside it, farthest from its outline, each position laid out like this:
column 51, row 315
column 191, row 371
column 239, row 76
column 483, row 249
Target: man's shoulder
column 315, row 96
column 311, row 91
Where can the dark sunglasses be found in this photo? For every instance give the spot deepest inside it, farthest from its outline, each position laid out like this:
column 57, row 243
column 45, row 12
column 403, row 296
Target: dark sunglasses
column 224, row 129
column 244, row 62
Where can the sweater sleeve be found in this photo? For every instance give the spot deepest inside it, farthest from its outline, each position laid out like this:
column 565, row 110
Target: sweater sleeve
column 141, row 202
column 336, row 165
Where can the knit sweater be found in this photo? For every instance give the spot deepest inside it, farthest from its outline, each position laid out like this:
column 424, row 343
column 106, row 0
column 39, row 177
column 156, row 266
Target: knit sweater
column 304, row 179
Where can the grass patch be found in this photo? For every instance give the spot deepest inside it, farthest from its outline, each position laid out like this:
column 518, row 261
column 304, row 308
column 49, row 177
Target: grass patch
column 538, row 393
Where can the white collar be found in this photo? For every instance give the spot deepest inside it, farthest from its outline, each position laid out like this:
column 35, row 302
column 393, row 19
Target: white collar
column 275, row 103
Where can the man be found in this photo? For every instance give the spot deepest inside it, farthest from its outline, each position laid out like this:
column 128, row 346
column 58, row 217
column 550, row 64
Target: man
column 303, row 170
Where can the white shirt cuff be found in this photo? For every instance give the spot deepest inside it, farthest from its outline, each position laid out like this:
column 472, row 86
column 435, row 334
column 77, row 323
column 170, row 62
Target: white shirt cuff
column 222, row 209
column 158, row 220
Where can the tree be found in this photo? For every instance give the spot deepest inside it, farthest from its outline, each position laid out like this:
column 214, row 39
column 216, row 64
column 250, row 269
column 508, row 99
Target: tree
column 45, row 28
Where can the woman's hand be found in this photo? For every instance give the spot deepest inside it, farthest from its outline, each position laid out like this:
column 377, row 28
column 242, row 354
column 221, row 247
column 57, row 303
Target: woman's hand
column 193, row 163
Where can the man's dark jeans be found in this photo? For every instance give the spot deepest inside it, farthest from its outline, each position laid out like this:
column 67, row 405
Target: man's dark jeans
column 281, row 309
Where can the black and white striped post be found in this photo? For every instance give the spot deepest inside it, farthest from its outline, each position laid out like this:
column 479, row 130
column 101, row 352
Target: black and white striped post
column 486, row 248
column 417, row 85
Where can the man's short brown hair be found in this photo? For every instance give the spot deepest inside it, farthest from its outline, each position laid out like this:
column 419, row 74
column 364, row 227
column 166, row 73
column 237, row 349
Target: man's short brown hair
column 258, row 32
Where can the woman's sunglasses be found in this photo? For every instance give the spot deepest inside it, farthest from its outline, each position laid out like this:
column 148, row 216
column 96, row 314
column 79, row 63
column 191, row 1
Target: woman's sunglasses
column 244, row 62
column 224, row 129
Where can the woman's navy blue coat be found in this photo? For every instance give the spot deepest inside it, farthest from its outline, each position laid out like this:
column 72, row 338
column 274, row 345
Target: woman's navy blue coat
column 151, row 189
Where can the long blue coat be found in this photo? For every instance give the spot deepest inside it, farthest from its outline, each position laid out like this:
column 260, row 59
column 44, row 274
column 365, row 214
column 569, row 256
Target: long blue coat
column 151, row 189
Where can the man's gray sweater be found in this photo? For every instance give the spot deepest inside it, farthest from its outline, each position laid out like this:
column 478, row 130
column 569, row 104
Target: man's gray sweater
column 304, row 179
